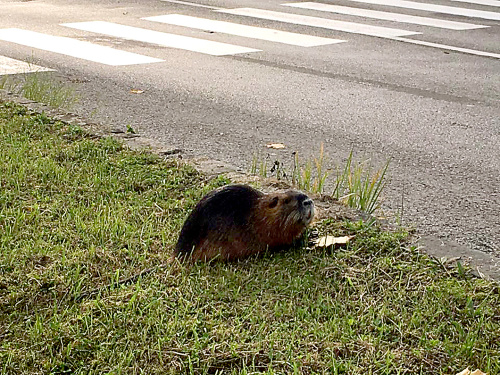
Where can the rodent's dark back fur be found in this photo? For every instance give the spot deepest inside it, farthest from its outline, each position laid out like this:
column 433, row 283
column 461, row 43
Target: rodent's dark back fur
column 217, row 211
column 237, row 220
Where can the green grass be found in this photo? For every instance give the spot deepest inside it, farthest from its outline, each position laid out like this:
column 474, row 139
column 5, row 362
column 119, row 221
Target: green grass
column 302, row 176
column 41, row 87
column 357, row 185
column 77, row 213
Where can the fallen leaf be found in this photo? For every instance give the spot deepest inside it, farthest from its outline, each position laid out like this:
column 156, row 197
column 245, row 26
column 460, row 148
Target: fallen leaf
column 328, row 241
column 136, row 91
column 275, row 145
column 468, row 372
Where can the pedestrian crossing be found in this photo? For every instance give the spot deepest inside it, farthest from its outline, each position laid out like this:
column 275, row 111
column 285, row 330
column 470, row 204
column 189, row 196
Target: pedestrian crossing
column 490, row 3
column 324, row 23
column 72, row 47
column 159, row 38
column 395, row 17
column 435, row 8
column 398, row 28
column 261, row 33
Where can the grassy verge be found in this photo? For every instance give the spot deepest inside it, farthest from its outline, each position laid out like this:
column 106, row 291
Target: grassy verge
column 41, row 87
column 77, row 213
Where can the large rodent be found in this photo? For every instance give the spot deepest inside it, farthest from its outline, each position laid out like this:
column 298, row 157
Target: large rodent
column 232, row 223
column 237, row 221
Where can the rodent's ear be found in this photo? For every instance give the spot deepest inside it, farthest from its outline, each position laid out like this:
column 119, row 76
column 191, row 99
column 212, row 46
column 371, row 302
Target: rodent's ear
column 273, row 202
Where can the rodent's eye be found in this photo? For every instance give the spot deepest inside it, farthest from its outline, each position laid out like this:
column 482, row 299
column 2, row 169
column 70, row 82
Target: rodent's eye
column 273, row 203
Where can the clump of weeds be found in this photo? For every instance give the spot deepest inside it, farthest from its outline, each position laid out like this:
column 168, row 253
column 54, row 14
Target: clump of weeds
column 358, row 185
column 42, row 87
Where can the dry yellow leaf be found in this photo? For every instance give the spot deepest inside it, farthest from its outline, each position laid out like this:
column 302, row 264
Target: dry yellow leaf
column 136, row 91
column 275, row 145
column 327, row 241
column 468, row 372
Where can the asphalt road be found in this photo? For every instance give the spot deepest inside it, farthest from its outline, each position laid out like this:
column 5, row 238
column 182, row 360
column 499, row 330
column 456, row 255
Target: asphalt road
column 427, row 101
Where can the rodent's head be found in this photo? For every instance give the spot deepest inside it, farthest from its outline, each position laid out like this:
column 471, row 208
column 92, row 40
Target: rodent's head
column 295, row 207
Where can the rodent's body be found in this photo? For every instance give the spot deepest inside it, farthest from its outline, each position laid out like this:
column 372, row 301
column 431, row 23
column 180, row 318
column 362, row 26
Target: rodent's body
column 237, row 221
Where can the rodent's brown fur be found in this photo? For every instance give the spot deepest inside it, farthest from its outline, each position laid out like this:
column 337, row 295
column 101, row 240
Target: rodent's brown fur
column 237, row 221
column 234, row 222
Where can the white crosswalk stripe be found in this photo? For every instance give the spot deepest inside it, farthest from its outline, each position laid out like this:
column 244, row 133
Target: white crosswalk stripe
column 450, row 48
column 73, row 47
column 12, row 66
column 190, row 3
column 490, row 3
column 244, row 30
column 160, row 38
column 466, row 12
column 396, row 17
column 349, row 27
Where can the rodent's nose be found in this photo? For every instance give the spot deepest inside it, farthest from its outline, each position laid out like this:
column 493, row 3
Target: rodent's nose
column 308, row 203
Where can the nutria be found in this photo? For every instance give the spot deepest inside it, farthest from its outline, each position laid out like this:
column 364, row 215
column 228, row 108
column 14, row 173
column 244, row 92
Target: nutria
column 231, row 223
column 237, row 221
